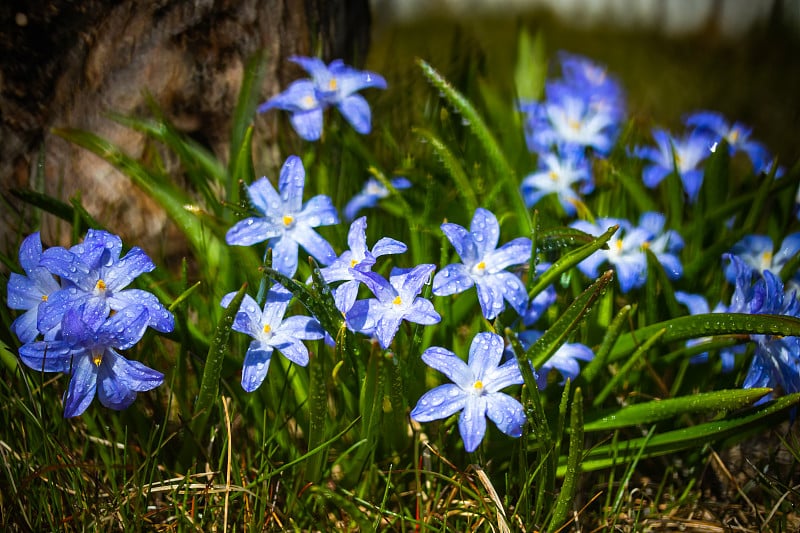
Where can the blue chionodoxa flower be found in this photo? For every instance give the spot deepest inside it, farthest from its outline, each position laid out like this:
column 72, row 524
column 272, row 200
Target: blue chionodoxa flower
column 626, row 249
column 88, row 352
column 557, row 174
column 27, row 292
column 673, row 154
column 737, row 136
column 483, row 265
column 475, row 390
column 758, row 253
column 358, row 257
column 565, row 360
column 373, row 191
column 333, row 85
column 286, row 222
column 94, row 277
column 271, row 331
column 395, row 300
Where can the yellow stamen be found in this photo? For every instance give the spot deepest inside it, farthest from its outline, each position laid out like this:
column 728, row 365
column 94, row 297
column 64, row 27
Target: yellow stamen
column 766, row 258
column 397, row 300
column 267, row 328
column 734, row 136
column 645, row 245
column 287, row 220
column 44, row 297
column 309, row 102
column 353, row 263
column 478, row 385
column 332, row 85
column 101, row 285
column 97, row 358
column 574, row 124
column 481, row 266
column 553, row 175
column 619, row 245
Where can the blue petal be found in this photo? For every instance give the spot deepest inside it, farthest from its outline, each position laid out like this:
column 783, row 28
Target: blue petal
column 364, row 315
column 293, row 350
column 422, row 312
column 355, row 110
column 251, row 231
column 387, row 327
column 389, row 246
column 472, row 422
column 513, row 290
column 47, row 356
column 291, row 184
column 133, row 375
column 490, row 296
column 485, row 231
column 409, row 284
column 485, row 353
column 440, row 402
column 284, row 255
column 30, row 251
column 452, row 279
column 307, row 124
column 345, row 295
column 318, row 211
column 652, row 175
column 69, row 266
column 159, row 318
column 82, row 386
column 120, row 275
column 450, row 365
column 265, row 198
column 256, row 365
column 357, row 203
column 463, row 241
column 313, row 243
column 515, row 252
column 506, row 412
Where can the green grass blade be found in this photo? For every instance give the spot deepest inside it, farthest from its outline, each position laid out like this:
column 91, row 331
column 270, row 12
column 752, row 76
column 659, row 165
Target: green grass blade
column 566, row 496
column 453, row 166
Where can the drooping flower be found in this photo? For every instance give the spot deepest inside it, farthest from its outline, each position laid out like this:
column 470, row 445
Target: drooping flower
column 395, row 300
column 483, row 265
column 358, row 257
column 333, row 85
column 29, row 291
column 94, row 278
column 673, row 154
column 475, row 390
column 737, row 136
column 89, row 353
column 558, row 174
column 270, row 331
column 373, row 191
column 286, row 222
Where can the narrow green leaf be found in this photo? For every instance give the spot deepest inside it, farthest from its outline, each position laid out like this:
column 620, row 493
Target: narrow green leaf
column 568, row 261
column 46, row 203
column 566, row 496
column 530, row 70
column 653, row 411
column 591, row 370
column 706, row 325
column 623, row 372
column 546, row 345
column 209, row 386
column 317, row 415
column 453, row 166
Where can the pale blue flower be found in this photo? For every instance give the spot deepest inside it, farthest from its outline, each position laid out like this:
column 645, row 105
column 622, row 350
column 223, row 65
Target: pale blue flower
column 758, row 253
column 560, row 175
column 373, row 191
column 395, row 300
column 682, row 155
column 624, row 251
column 483, row 265
column 271, row 331
column 286, row 222
column 475, row 390
column 358, row 257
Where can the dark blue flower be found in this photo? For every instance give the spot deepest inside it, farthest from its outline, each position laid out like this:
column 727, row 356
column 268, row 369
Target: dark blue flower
column 29, row 291
column 286, row 222
column 94, row 278
column 737, row 135
column 758, row 253
column 88, row 352
column 271, row 331
column 358, row 257
column 333, row 85
column 483, row 265
column 475, row 390
column 395, row 300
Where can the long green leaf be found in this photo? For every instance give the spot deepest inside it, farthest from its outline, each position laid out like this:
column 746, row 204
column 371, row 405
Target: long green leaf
column 453, row 166
column 566, row 497
column 653, row 411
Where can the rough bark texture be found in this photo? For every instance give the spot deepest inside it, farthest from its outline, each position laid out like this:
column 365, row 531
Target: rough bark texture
column 65, row 63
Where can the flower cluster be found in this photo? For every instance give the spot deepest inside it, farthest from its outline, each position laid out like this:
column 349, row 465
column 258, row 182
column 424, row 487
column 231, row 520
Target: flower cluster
column 79, row 313
column 334, row 85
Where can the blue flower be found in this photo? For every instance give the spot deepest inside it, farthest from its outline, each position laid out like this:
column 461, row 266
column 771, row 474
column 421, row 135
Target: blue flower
column 593, row 81
column 286, row 221
column 373, row 191
column 757, row 252
column 542, row 301
column 395, row 300
column 94, row 278
column 475, row 390
column 333, row 85
column 29, row 291
column 624, row 251
column 271, row 331
column 665, row 245
column 737, row 135
column 557, row 175
column 89, row 353
column 358, row 257
column 680, row 155
column 483, row 265
column 565, row 360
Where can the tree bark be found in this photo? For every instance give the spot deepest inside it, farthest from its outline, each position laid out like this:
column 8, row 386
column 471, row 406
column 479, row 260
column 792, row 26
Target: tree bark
column 65, row 63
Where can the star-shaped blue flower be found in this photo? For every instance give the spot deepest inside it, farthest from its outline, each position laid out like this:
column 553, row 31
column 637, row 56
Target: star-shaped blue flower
column 89, row 353
column 333, row 85
column 395, row 300
column 737, row 135
column 475, row 390
column 483, row 265
column 94, row 278
column 558, row 174
column 565, row 360
column 29, row 291
column 758, row 253
column 358, row 257
column 270, row 331
column 676, row 154
column 285, row 220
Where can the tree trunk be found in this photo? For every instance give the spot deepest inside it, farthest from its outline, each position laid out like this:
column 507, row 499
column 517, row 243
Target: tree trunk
column 65, row 63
